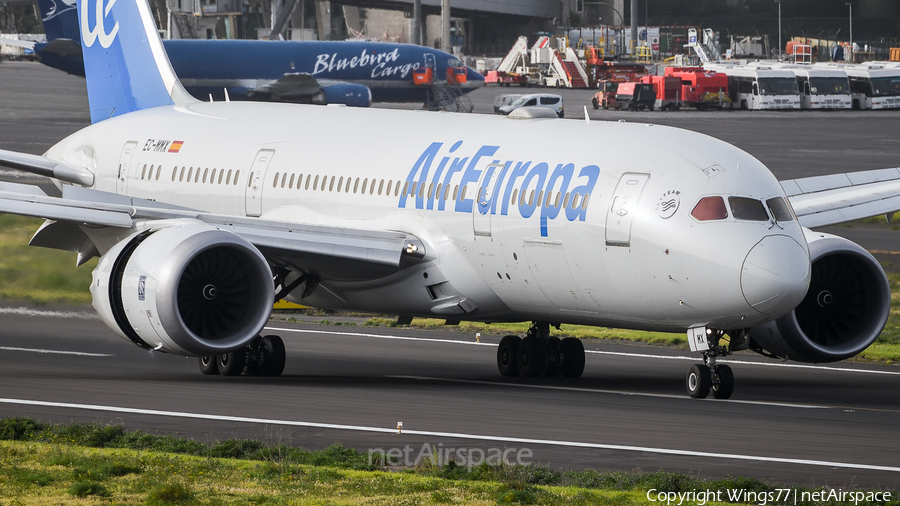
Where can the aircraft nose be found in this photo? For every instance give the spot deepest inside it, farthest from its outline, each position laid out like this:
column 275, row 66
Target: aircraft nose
column 775, row 276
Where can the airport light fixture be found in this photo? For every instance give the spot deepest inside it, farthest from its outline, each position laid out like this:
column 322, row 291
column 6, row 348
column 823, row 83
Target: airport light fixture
column 779, row 25
column 848, row 4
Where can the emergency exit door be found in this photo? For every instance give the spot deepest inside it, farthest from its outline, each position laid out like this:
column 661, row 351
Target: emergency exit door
column 623, row 208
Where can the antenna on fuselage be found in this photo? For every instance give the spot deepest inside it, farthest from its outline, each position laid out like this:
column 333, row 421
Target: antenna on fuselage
column 227, row 98
column 210, row 97
column 587, row 118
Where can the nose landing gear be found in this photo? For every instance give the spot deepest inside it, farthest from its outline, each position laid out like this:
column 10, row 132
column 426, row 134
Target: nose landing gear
column 540, row 354
column 710, row 376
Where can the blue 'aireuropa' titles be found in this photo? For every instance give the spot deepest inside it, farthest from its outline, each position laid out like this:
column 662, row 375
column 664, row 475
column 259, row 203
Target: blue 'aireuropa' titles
column 539, row 179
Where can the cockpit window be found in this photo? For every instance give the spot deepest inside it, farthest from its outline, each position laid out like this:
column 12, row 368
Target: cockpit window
column 710, row 208
column 453, row 62
column 779, row 209
column 747, row 209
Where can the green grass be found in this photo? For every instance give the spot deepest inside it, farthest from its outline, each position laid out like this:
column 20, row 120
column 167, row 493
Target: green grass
column 38, row 275
column 95, row 464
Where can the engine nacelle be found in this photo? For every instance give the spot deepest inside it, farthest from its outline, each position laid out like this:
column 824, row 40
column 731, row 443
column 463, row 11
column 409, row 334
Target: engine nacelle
column 185, row 288
column 844, row 311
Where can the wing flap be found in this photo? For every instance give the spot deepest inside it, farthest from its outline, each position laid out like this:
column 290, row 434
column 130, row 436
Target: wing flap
column 828, row 200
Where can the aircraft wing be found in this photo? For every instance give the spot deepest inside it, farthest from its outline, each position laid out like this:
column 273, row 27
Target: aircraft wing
column 838, row 198
column 334, row 253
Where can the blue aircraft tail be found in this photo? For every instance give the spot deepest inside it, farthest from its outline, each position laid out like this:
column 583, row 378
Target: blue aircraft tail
column 124, row 60
column 60, row 19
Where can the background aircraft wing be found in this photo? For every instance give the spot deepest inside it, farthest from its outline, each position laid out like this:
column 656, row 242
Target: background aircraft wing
column 334, row 253
column 838, row 198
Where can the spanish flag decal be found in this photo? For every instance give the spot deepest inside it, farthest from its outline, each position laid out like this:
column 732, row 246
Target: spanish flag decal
column 176, row 145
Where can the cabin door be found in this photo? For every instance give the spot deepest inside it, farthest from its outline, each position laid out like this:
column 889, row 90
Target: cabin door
column 253, row 197
column 125, row 167
column 484, row 199
column 624, row 208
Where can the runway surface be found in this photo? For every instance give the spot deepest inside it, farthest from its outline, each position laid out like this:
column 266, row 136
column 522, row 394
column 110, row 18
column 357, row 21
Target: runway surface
column 830, row 425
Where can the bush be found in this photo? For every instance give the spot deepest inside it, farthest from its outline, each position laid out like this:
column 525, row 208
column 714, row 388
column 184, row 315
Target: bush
column 17, row 428
column 86, row 488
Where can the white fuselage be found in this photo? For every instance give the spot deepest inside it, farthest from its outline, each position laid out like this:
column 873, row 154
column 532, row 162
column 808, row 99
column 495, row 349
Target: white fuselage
column 627, row 254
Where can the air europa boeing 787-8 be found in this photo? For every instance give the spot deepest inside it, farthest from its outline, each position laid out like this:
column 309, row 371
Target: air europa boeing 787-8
column 203, row 213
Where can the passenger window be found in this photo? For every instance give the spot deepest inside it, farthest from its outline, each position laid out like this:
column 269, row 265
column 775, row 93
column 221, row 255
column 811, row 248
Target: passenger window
column 205, row 173
column 540, row 199
column 412, row 190
column 290, row 183
column 174, row 173
column 144, row 172
column 446, row 192
column 565, row 201
column 275, row 181
column 316, row 183
column 512, row 201
column 743, row 208
column 190, row 171
column 283, row 178
column 556, row 202
column 237, row 174
column 530, row 198
column 780, row 209
column 347, row 188
column 388, row 192
column 397, row 189
column 584, row 201
column 455, row 191
column 212, row 179
column 197, row 175
column 181, row 175
column 221, row 173
column 356, row 185
column 462, row 194
column 575, row 201
column 158, row 170
column 710, row 208
column 340, row 183
column 381, row 186
column 421, row 190
column 365, row 182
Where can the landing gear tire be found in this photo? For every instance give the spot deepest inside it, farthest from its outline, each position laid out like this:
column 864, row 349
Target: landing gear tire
column 571, row 351
column 271, row 356
column 531, row 358
column 508, row 355
column 208, row 365
column 698, row 381
column 595, row 104
column 723, row 386
column 232, row 364
column 552, row 353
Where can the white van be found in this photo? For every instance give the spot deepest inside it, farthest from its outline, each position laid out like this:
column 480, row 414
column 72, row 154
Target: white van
column 551, row 101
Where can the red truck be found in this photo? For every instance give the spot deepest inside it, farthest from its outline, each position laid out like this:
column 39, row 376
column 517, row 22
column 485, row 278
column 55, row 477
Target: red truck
column 701, row 89
column 668, row 91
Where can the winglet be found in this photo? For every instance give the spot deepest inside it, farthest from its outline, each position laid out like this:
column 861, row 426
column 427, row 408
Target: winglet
column 125, row 62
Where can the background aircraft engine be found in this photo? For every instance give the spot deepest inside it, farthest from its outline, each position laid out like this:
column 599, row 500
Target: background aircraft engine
column 188, row 289
column 845, row 309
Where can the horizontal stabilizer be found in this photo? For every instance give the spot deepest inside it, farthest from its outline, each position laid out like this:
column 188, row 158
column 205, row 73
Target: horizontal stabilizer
column 838, row 198
column 44, row 166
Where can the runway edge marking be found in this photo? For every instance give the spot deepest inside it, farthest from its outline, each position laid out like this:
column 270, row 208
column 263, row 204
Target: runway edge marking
column 479, row 437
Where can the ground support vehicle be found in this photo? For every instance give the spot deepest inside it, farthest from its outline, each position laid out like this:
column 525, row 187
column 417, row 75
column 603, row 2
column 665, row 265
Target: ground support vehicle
column 701, row 89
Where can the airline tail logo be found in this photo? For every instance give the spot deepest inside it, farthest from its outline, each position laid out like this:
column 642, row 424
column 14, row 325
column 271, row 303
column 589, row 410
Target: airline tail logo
column 98, row 33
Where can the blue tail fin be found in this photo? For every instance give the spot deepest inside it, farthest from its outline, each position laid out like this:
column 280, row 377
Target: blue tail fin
column 124, row 60
column 60, row 19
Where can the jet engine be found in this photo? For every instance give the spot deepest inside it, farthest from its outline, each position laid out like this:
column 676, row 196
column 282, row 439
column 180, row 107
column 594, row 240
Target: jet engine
column 845, row 309
column 185, row 288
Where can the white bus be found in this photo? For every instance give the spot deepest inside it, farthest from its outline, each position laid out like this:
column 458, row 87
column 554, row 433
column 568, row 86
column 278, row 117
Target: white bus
column 874, row 86
column 758, row 86
column 820, row 87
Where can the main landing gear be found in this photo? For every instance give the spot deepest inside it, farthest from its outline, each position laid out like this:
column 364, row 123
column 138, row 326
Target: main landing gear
column 540, row 354
column 264, row 356
column 709, row 376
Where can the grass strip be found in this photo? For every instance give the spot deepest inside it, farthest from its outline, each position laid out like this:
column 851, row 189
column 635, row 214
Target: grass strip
column 96, row 464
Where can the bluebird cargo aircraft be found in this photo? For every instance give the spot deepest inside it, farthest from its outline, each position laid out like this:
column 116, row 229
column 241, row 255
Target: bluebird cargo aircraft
column 348, row 72
column 203, row 213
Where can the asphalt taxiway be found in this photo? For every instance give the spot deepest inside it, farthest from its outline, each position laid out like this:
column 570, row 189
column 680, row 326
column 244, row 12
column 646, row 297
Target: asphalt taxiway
column 788, row 423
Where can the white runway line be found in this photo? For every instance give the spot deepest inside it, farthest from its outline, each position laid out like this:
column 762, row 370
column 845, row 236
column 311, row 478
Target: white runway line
column 625, row 393
column 57, row 352
column 597, row 352
column 478, row 437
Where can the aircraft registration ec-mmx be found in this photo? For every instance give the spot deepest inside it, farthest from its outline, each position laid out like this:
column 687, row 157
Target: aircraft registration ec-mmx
column 203, row 214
